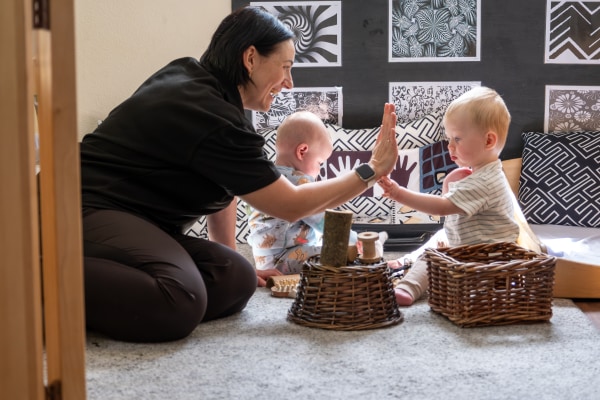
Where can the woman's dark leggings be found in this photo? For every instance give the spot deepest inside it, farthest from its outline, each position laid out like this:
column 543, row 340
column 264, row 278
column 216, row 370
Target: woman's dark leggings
column 143, row 284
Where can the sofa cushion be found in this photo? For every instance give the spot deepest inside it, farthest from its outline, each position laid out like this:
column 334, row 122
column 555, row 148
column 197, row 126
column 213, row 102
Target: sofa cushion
column 420, row 169
column 409, row 135
column 560, row 178
column 367, row 208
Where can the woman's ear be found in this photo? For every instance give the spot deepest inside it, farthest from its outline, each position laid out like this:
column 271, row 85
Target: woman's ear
column 249, row 59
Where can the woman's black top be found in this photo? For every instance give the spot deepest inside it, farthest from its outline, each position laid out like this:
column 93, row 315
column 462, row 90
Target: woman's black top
column 180, row 147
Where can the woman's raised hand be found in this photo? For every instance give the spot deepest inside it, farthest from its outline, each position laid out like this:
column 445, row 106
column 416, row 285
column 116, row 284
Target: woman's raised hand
column 385, row 152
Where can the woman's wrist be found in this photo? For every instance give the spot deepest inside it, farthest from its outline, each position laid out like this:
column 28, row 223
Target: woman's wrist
column 367, row 174
column 379, row 172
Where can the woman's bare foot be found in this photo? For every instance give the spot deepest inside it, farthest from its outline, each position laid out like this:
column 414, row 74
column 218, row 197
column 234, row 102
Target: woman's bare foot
column 403, row 298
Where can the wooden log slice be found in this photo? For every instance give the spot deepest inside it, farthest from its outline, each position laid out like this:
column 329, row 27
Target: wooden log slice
column 336, row 234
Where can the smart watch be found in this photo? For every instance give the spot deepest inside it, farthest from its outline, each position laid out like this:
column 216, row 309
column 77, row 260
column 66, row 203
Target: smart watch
column 366, row 174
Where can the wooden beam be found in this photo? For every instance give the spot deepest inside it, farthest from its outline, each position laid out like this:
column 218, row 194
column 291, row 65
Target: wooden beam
column 61, row 204
column 21, row 361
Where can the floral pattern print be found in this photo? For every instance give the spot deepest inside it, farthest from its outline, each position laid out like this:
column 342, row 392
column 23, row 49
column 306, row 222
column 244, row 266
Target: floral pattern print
column 572, row 109
column 434, row 30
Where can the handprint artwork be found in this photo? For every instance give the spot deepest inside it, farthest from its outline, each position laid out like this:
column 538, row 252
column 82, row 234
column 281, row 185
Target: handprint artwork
column 341, row 162
column 420, row 169
column 403, row 171
column 345, row 163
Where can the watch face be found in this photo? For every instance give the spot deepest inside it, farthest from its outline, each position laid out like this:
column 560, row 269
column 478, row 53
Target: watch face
column 365, row 172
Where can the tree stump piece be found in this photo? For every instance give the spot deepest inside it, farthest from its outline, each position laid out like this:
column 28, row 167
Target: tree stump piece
column 336, row 234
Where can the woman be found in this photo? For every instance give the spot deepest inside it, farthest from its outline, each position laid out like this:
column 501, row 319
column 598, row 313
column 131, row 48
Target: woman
column 181, row 147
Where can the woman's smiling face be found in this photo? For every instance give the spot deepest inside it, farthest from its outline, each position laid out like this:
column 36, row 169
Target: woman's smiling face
column 268, row 75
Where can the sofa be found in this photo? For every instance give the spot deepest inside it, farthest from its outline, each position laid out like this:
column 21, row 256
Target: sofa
column 556, row 184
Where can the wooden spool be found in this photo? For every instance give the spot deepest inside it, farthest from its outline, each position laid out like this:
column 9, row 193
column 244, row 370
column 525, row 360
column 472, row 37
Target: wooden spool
column 369, row 254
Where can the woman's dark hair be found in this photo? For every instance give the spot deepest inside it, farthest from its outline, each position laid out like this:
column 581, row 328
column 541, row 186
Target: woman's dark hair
column 245, row 27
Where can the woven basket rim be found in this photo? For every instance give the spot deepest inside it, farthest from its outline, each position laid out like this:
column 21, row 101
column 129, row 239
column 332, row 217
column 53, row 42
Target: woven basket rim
column 352, row 297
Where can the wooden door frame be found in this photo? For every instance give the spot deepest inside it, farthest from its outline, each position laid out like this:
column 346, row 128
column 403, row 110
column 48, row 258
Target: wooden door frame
column 60, row 203
column 63, row 332
column 21, row 356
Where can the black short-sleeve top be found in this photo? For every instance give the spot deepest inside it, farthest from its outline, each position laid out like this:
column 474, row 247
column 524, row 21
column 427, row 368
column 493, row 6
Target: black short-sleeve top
column 180, row 147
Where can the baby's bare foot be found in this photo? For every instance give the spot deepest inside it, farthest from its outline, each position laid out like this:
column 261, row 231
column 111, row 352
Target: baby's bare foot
column 403, row 298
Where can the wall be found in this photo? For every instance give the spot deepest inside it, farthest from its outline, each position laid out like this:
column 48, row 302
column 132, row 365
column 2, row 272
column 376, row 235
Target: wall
column 512, row 62
column 120, row 43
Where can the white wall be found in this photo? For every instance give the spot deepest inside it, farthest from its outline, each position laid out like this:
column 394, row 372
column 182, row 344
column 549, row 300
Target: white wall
column 121, row 42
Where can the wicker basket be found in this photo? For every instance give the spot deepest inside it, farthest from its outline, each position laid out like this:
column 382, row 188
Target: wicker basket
column 490, row 284
column 351, row 297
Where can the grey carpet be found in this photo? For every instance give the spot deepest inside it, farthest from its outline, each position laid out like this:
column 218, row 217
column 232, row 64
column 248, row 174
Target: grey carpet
column 258, row 354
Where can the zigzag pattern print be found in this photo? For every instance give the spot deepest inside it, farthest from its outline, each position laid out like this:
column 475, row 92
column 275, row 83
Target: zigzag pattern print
column 270, row 134
column 574, row 30
column 409, row 135
column 352, row 139
column 560, row 178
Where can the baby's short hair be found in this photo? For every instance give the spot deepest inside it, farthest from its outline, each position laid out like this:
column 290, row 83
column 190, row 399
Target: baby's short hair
column 485, row 108
column 301, row 127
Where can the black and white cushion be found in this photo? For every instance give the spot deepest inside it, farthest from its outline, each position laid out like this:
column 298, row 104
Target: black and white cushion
column 409, row 135
column 560, row 178
column 367, row 208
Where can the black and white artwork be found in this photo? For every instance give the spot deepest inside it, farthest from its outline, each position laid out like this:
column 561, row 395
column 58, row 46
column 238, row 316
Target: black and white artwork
column 317, row 25
column 434, row 30
column 325, row 102
column 573, row 32
column 414, row 100
column 572, row 108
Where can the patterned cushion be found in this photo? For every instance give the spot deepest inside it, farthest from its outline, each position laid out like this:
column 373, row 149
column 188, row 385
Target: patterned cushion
column 367, row 208
column 270, row 134
column 409, row 135
column 420, row 169
column 560, row 178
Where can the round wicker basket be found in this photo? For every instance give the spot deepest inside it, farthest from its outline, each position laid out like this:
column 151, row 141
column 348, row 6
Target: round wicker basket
column 352, row 297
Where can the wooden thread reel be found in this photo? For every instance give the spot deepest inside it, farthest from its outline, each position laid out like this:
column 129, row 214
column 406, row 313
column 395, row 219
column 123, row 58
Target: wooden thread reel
column 369, row 254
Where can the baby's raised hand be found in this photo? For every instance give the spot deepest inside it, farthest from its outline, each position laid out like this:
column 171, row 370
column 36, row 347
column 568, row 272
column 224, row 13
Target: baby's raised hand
column 389, row 186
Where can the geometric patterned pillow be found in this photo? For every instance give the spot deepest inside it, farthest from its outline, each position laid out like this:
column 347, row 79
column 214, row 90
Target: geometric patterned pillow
column 270, row 134
column 353, row 146
column 412, row 134
column 560, row 178
column 409, row 135
column 419, row 132
column 421, row 169
column 369, row 207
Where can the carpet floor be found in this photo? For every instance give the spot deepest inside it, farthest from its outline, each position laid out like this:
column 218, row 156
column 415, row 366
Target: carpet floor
column 259, row 354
